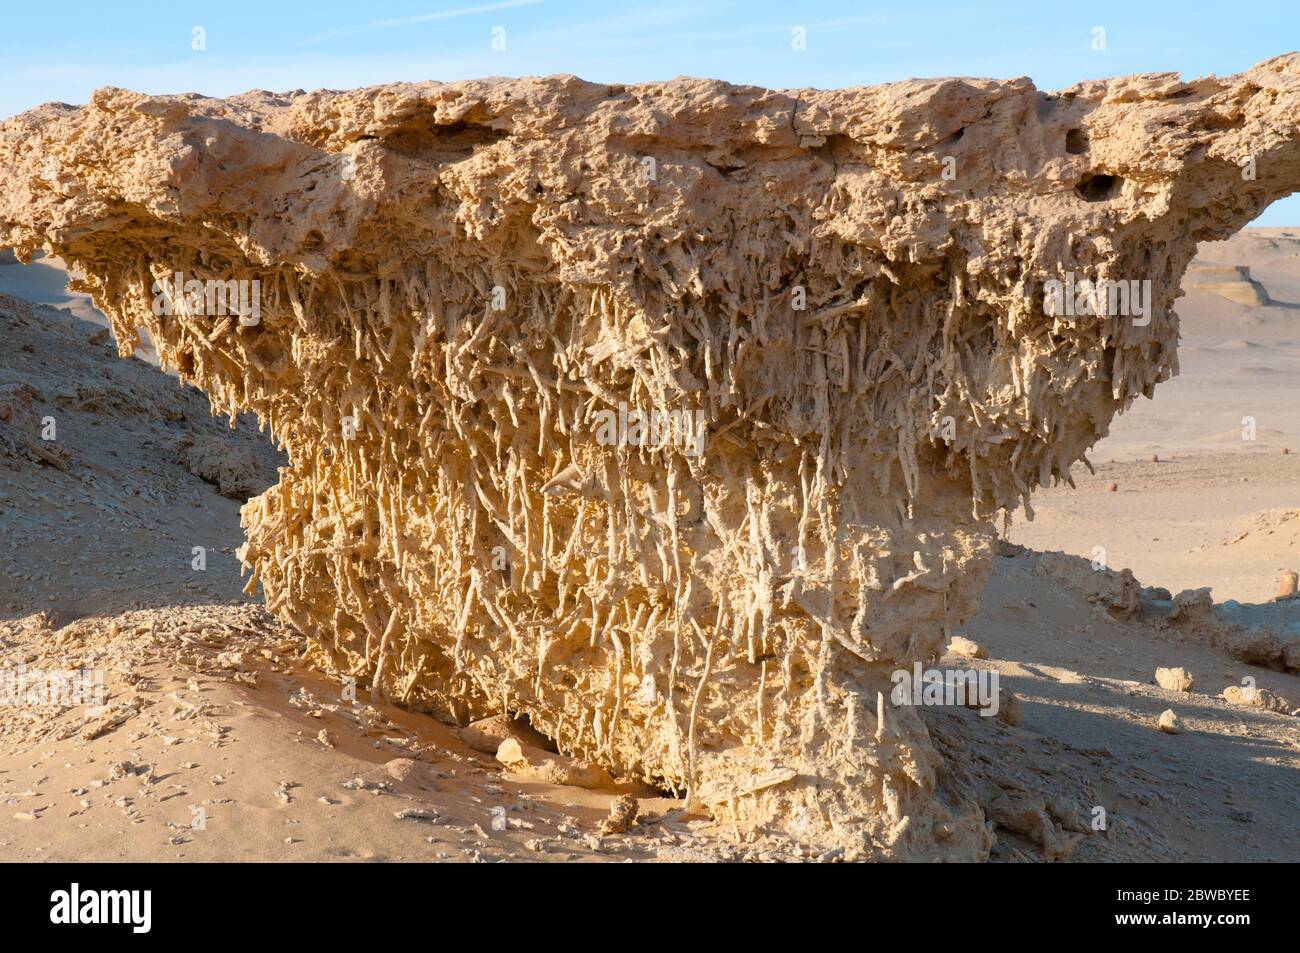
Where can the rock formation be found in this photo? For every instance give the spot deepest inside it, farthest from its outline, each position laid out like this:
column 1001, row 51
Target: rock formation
column 675, row 416
column 1233, row 282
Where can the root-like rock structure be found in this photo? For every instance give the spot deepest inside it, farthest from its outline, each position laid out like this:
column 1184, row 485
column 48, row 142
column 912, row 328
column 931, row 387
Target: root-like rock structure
column 472, row 297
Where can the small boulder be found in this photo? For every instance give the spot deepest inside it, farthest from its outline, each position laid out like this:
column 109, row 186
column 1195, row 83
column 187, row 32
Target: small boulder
column 538, row 765
column 232, row 660
column 486, row 734
column 1169, row 722
column 1193, row 605
column 1175, row 679
column 427, row 815
column 1256, row 698
column 412, row 772
column 622, row 815
column 967, row 648
column 1009, row 708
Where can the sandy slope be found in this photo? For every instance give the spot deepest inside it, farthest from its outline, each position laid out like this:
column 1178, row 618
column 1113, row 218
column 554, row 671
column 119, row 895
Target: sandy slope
column 1226, row 789
column 215, row 711
column 260, row 758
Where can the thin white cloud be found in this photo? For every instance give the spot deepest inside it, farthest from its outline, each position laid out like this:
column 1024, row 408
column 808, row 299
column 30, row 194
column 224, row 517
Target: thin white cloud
column 422, row 18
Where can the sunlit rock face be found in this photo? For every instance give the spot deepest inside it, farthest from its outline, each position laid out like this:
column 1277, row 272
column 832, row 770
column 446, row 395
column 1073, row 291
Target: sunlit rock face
column 674, row 416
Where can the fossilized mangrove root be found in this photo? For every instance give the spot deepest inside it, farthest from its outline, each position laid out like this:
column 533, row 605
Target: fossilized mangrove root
column 468, row 295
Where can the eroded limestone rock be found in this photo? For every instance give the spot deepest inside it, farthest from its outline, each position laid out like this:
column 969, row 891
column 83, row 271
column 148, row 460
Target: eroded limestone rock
column 468, row 292
column 235, row 472
column 1175, row 679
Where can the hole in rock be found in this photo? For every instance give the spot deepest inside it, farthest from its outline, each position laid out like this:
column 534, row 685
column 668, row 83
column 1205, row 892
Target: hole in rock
column 954, row 138
column 429, row 141
column 836, row 147
column 1076, row 142
column 1098, row 188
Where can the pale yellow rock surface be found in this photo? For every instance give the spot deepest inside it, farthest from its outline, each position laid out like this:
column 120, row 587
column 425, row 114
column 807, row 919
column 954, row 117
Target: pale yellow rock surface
column 1175, row 679
column 486, row 734
column 458, row 279
column 1258, row 697
column 967, row 648
column 1084, row 677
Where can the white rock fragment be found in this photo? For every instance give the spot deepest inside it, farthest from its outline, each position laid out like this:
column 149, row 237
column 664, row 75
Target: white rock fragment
column 427, row 815
column 967, row 648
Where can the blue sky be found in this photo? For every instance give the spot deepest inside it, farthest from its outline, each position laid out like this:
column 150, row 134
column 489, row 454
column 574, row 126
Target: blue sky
column 63, row 51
